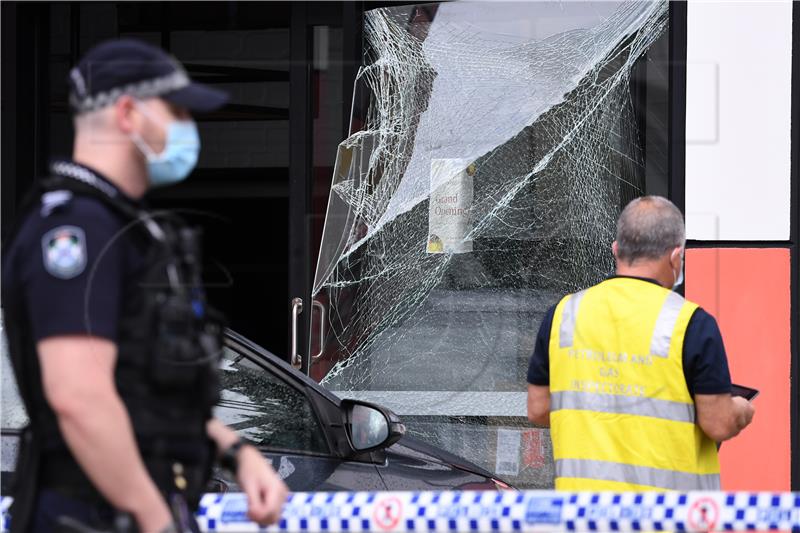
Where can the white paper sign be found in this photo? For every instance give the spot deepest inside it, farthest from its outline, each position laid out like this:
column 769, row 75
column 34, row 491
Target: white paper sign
column 509, row 442
column 449, row 216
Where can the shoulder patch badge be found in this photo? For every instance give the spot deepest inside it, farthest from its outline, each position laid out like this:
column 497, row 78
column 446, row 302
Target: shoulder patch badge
column 64, row 251
column 52, row 200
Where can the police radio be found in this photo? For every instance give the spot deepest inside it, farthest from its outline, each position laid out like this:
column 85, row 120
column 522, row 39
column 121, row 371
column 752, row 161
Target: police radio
column 188, row 345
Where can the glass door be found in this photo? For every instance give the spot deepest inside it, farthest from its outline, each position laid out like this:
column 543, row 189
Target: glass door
column 490, row 152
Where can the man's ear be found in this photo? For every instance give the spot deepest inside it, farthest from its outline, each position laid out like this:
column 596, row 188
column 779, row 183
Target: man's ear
column 125, row 114
column 614, row 249
column 672, row 255
column 675, row 257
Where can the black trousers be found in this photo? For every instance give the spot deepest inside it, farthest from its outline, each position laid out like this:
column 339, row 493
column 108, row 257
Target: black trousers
column 51, row 505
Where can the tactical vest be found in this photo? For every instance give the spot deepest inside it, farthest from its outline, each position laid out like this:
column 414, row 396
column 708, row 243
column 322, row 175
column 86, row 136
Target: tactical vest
column 169, row 339
column 621, row 415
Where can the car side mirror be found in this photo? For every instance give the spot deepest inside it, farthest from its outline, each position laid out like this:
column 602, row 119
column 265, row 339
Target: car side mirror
column 370, row 427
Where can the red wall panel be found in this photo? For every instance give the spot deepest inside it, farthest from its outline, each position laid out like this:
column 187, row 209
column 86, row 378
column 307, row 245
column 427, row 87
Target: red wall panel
column 748, row 291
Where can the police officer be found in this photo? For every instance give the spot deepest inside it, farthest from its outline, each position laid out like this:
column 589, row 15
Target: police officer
column 113, row 344
column 632, row 378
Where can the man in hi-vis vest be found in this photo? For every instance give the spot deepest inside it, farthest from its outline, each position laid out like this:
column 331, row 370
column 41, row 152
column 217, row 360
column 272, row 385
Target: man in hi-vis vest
column 631, row 378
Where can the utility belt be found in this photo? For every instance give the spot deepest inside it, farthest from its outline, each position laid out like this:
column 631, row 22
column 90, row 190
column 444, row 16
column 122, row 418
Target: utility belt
column 59, row 472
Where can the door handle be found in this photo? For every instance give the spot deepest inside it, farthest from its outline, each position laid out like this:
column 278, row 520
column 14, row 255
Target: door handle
column 297, row 308
column 318, row 305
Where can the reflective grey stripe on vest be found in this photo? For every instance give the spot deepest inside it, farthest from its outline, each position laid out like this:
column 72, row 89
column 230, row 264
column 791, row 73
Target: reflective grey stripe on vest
column 629, row 405
column 639, row 475
column 665, row 325
column 569, row 315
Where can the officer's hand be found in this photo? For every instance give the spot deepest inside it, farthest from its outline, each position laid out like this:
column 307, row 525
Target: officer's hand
column 266, row 492
column 151, row 511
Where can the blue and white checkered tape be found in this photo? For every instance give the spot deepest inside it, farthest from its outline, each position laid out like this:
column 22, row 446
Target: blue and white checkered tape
column 508, row 512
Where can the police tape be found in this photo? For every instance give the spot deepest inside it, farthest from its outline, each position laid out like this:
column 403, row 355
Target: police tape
column 507, row 511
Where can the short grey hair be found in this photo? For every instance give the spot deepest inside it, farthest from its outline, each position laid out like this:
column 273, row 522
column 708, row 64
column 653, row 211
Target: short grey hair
column 93, row 120
column 649, row 227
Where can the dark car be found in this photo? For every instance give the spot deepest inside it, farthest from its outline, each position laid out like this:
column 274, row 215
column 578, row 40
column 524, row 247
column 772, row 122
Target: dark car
column 316, row 441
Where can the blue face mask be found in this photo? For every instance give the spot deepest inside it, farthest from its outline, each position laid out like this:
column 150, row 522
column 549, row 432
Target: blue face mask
column 179, row 156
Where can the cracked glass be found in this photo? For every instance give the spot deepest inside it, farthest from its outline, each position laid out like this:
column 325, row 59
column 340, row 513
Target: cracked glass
column 492, row 148
column 264, row 409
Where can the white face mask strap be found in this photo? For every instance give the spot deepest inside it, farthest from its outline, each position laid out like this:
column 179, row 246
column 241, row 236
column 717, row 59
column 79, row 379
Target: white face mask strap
column 142, row 107
column 137, row 139
column 142, row 146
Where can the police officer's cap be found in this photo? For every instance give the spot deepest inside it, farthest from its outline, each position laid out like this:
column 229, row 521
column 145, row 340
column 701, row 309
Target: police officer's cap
column 128, row 66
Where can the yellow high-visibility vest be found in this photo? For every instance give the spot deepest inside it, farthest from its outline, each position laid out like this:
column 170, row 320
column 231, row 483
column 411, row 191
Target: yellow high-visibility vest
column 621, row 416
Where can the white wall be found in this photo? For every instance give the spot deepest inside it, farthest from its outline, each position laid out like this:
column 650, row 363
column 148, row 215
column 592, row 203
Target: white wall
column 738, row 115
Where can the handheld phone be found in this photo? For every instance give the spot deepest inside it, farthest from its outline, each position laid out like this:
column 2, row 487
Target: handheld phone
column 747, row 393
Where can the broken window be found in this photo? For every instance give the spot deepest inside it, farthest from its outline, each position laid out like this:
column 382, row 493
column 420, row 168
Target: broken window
column 265, row 409
column 493, row 146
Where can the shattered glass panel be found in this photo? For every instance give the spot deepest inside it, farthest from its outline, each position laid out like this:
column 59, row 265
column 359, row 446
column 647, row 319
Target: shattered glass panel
column 13, row 416
column 264, row 409
column 494, row 146
column 13, row 410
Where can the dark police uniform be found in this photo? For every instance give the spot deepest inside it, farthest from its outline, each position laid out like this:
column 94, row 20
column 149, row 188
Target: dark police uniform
column 88, row 260
column 85, row 259
column 705, row 364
